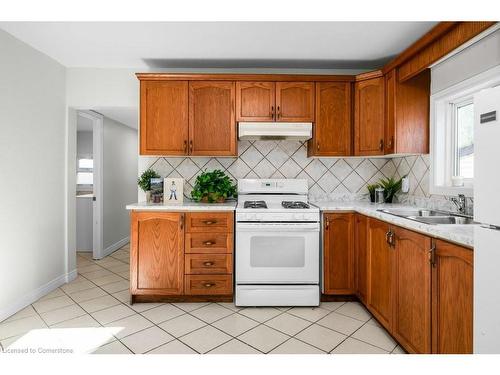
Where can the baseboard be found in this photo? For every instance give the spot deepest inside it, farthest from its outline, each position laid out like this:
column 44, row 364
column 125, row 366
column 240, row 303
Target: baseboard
column 114, row 247
column 35, row 295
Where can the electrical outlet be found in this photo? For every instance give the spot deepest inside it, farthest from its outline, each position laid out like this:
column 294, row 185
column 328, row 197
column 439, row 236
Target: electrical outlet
column 405, row 186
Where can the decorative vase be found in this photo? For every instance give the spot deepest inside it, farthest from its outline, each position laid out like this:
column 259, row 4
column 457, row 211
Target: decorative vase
column 372, row 196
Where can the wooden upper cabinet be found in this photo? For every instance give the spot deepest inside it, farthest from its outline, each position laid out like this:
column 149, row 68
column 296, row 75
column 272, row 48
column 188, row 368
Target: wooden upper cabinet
column 369, row 116
column 338, row 253
column 332, row 128
column 407, row 125
column 255, row 101
column 164, row 118
column 380, row 272
column 157, row 253
column 390, row 112
column 212, row 125
column 295, row 101
column 412, row 291
column 361, row 257
column 452, row 299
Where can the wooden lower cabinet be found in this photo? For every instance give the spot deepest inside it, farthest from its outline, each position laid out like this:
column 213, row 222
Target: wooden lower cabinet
column 452, row 299
column 361, row 257
column 172, row 257
column 411, row 323
column 157, row 253
column 419, row 288
column 380, row 272
column 338, row 253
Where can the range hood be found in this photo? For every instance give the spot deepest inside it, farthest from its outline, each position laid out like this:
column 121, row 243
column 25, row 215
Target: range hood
column 296, row 131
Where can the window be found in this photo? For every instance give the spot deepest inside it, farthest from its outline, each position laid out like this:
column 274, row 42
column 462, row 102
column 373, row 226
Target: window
column 85, row 174
column 463, row 147
column 452, row 134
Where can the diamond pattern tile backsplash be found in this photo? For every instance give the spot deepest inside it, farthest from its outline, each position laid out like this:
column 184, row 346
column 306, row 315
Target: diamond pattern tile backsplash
column 329, row 178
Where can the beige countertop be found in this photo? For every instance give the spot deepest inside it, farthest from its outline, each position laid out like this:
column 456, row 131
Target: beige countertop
column 187, row 205
column 459, row 234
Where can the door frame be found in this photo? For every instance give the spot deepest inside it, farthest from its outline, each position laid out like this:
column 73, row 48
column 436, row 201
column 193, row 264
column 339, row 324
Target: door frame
column 97, row 206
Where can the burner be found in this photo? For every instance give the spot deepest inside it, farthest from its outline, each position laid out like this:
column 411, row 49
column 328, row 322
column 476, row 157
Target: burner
column 296, row 204
column 255, row 204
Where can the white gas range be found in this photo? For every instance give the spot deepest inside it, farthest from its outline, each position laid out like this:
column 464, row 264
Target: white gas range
column 277, row 244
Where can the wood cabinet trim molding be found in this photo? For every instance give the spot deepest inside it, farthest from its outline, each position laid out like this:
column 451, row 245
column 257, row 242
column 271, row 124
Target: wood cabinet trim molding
column 243, row 77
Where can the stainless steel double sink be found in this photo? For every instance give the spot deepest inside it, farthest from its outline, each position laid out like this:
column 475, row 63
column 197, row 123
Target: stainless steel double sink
column 428, row 216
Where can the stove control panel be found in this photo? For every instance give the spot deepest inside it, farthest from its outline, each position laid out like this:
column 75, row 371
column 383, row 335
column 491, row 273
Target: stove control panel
column 277, row 216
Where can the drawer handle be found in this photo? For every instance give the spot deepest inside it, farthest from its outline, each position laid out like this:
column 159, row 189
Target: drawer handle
column 208, row 285
column 208, row 264
column 209, row 222
column 208, row 243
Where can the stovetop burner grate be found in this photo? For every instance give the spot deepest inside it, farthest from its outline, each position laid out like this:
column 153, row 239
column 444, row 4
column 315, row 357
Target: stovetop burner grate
column 294, row 204
column 255, row 204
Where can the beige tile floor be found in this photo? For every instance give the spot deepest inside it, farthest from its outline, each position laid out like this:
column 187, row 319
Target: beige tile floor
column 92, row 314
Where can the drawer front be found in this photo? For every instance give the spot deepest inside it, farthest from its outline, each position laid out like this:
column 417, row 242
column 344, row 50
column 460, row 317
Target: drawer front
column 208, row 285
column 204, row 264
column 209, row 243
column 209, row 222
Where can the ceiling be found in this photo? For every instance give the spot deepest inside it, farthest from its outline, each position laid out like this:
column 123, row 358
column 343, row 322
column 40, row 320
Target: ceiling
column 163, row 45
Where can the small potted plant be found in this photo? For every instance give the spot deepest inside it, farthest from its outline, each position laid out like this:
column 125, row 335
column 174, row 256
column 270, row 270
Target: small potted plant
column 144, row 182
column 213, row 187
column 371, row 189
column 391, row 187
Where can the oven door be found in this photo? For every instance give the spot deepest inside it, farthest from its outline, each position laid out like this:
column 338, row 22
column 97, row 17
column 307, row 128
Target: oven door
column 277, row 253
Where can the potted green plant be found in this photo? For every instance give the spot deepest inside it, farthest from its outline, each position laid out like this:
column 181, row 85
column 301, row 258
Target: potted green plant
column 371, row 189
column 213, row 187
column 144, row 182
column 391, row 187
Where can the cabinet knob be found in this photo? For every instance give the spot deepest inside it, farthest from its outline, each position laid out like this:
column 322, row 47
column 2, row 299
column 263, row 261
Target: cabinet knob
column 208, row 264
column 279, row 112
column 190, row 146
column 327, row 223
column 381, row 145
column 391, row 141
column 185, row 146
column 209, row 222
column 208, row 243
column 317, row 146
column 272, row 111
column 208, row 285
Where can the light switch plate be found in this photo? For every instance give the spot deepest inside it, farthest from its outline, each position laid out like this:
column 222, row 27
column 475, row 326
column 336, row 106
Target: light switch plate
column 405, row 186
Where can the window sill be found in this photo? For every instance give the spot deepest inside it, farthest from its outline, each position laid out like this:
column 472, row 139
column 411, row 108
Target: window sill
column 468, row 191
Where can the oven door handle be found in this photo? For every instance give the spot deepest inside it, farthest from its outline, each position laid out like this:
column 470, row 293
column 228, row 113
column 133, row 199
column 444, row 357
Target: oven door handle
column 277, row 227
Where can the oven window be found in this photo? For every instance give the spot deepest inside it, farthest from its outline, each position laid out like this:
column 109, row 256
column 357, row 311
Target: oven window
column 277, row 251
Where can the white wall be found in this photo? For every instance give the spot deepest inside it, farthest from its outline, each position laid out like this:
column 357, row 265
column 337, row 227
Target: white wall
column 32, row 171
column 119, row 181
column 477, row 58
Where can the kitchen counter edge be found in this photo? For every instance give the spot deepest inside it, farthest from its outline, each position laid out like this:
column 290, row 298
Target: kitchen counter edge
column 185, row 206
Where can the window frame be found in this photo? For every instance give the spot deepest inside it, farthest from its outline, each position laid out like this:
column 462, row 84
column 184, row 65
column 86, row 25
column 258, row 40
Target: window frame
column 442, row 124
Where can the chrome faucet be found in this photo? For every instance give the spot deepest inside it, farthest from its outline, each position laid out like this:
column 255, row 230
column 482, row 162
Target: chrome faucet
column 461, row 203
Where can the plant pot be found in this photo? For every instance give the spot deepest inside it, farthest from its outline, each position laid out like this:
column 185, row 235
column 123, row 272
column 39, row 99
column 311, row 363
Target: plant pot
column 372, row 196
column 218, row 200
column 148, row 196
column 389, row 198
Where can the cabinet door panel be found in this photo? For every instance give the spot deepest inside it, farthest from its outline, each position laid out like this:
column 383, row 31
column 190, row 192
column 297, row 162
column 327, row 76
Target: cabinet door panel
column 295, row 101
column 379, row 272
column 452, row 299
column 255, row 101
column 338, row 251
column 390, row 112
column 332, row 128
column 157, row 253
column 164, row 118
column 412, row 300
column 361, row 257
column 369, row 117
column 212, row 126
